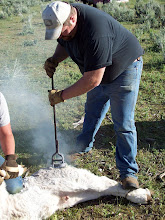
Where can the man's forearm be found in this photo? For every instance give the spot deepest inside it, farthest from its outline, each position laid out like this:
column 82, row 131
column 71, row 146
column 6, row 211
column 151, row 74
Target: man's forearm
column 60, row 54
column 86, row 83
column 7, row 140
column 8, row 145
column 76, row 89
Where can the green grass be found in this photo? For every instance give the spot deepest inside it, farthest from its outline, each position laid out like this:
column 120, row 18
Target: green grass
column 25, row 84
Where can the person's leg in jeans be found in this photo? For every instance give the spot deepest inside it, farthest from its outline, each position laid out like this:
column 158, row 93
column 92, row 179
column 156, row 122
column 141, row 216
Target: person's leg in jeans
column 12, row 185
column 123, row 96
column 96, row 107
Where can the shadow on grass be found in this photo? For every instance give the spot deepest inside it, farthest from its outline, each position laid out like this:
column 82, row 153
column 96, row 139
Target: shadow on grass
column 104, row 200
column 151, row 135
column 32, row 151
column 154, row 65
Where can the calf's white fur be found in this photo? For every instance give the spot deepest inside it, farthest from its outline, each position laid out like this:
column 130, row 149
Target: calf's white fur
column 52, row 189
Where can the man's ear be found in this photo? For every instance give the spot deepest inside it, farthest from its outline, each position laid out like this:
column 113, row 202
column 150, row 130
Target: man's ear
column 72, row 19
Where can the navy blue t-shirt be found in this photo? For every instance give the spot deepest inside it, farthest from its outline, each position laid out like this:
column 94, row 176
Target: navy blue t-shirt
column 101, row 41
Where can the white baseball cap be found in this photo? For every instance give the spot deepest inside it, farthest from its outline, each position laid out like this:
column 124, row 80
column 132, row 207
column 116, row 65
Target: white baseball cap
column 54, row 16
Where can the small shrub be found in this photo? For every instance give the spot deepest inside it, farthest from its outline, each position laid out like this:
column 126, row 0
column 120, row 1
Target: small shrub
column 147, row 26
column 162, row 18
column 3, row 15
column 149, row 12
column 120, row 12
column 29, row 43
column 138, row 32
column 28, row 28
column 7, row 10
column 16, row 7
column 24, row 9
column 159, row 41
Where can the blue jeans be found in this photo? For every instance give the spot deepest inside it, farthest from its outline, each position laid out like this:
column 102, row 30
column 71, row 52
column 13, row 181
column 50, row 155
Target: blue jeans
column 12, row 185
column 121, row 95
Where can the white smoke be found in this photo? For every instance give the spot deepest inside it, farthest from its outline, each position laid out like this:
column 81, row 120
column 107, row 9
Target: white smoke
column 30, row 112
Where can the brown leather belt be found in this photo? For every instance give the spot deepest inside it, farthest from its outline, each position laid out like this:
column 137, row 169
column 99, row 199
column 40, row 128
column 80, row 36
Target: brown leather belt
column 137, row 59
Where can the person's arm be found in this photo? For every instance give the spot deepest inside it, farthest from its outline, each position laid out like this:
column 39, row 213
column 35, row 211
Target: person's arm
column 86, row 83
column 7, row 140
column 60, row 54
column 8, row 146
column 52, row 62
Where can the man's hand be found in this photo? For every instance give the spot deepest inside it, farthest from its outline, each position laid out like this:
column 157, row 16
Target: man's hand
column 50, row 66
column 3, row 175
column 55, row 97
column 10, row 166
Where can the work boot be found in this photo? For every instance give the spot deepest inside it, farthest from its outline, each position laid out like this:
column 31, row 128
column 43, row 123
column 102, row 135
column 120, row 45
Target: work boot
column 130, row 183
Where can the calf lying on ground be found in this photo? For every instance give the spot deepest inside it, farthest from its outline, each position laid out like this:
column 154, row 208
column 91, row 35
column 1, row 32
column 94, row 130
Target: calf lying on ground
column 51, row 189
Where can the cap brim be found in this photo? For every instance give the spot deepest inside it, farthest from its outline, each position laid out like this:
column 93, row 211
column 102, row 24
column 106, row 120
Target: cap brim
column 53, row 34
